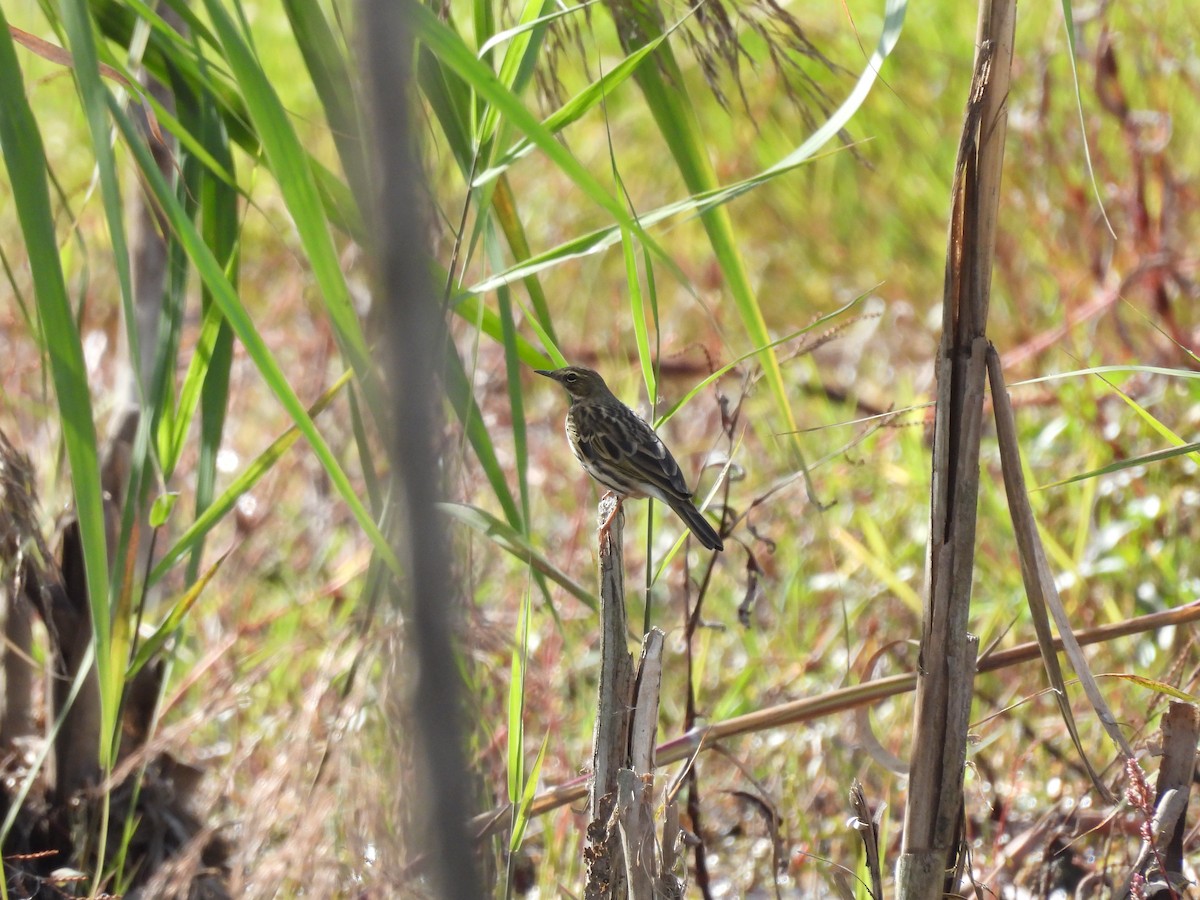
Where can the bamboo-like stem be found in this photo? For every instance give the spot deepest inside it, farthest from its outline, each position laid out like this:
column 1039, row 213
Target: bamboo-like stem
column 930, row 856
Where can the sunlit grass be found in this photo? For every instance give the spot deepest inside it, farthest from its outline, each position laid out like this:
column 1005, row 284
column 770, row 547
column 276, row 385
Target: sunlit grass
column 265, row 656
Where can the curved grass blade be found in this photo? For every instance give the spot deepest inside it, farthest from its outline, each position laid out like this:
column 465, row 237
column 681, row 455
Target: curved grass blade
column 253, row 473
column 290, row 165
column 509, row 539
column 174, row 618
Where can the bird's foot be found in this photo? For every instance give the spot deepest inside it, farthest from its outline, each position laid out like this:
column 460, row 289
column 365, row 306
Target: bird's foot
column 606, row 525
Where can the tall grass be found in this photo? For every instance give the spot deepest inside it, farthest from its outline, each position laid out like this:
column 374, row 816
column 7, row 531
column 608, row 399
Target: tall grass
column 574, row 152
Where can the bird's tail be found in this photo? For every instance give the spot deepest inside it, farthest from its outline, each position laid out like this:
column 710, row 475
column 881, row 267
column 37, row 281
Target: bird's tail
column 699, row 525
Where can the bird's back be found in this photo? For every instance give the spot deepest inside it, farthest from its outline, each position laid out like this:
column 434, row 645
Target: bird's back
column 622, row 452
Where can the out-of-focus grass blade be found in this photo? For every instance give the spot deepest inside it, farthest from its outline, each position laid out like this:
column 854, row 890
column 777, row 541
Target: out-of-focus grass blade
column 239, row 320
column 253, row 473
column 293, row 173
column 1145, row 459
column 174, row 618
column 25, row 159
column 508, row 538
column 221, row 231
column 462, row 401
column 686, row 398
column 365, row 455
column 328, row 70
column 574, row 109
column 1159, row 687
column 449, row 50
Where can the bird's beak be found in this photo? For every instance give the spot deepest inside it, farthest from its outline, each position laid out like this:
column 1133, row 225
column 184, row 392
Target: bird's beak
column 545, row 372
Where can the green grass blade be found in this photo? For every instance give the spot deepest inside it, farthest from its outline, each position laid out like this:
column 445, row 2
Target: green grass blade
column 514, row 542
column 1133, row 462
column 174, row 618
column 327, row 68
column 25, row 159
column 450, row 51
column 291, row 167
column 574, row 109
column 462, row 401
column 221, row 230
column 239, row 320
column 253, row 473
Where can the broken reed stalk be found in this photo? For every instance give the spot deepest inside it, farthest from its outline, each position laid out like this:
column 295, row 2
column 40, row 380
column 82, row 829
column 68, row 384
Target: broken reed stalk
column 603, row 853
column 930, row 856
column 1180, row 736
column 621, row 850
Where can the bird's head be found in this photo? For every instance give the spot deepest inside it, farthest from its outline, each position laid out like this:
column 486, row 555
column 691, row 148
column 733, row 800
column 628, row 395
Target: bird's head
column 580, row 383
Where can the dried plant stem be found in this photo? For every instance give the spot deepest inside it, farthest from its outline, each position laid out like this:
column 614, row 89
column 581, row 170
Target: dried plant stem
column 610, row 741
column 809, row 708
column 930, row 859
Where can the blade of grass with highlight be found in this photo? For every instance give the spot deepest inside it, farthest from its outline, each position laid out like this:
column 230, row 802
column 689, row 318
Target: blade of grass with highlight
column 221, row 230
column 112, row 607
column 450, row 51
column 239, row 320
column 514, row 542
column 25, row 159
column 253, row 473
column 290, row 165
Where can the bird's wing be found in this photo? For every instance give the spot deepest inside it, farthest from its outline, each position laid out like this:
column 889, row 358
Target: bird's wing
column 617, row 438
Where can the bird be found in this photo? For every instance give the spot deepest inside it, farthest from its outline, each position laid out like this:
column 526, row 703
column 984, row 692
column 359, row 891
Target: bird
column 622, row 452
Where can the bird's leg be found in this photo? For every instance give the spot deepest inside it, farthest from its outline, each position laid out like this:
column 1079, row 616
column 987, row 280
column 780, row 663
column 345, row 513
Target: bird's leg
column 607, row 523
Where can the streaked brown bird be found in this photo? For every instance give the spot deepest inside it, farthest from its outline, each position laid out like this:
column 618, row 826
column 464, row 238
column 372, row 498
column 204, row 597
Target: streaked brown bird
column 623, row 453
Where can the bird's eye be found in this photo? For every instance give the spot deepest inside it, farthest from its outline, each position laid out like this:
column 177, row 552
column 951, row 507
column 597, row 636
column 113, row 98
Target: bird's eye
column 572, row 378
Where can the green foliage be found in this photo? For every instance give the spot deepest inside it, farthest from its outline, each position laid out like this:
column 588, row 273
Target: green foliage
column 732, row 232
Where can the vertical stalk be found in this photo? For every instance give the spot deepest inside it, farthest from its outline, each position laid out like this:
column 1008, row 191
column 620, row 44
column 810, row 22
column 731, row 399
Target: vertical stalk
column 930, row 855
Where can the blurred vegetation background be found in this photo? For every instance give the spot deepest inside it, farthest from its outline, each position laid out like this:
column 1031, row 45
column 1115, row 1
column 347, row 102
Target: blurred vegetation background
column 281, row 668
